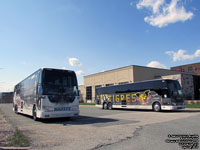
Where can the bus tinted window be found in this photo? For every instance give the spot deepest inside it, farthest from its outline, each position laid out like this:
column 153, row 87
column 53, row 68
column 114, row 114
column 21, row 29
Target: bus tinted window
column 174, row 89
column 59, row 82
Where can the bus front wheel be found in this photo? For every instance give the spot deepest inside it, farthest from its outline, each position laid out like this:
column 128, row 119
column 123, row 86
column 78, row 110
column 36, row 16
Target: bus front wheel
column 34, row 113
column 16, row 109
column 156, row 107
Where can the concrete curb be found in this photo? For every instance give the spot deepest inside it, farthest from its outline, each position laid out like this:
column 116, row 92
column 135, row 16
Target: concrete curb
column 15, row 148
column 86, row 105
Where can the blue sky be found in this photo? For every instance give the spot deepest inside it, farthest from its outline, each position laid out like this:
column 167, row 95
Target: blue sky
column 91, row 36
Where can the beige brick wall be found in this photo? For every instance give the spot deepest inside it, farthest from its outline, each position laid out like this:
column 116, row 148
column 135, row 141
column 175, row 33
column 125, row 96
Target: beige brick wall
column 110, row 77
column 115, row 77
column 147, row 73
column 82, row 92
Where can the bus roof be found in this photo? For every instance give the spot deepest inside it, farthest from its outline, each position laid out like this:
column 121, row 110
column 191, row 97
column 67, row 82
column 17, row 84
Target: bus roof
column 136, row 86
column 55, row 69
column 41, row 70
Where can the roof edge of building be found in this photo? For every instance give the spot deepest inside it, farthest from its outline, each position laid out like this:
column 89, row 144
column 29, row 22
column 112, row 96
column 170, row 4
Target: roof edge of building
column 185, row 65
column 127, row 67
column 109, row 70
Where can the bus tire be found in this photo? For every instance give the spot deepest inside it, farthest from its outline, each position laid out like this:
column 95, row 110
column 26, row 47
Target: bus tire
column 156, row 107
column 34, row 113
column 16, row 109
column 105, row 106
column 109, row 106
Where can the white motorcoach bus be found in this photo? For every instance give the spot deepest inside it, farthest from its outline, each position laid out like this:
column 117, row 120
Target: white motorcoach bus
column 47, row 93
column 162, row 94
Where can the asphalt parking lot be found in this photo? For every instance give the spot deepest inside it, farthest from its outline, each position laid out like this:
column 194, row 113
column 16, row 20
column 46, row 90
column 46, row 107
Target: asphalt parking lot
column 107, row 129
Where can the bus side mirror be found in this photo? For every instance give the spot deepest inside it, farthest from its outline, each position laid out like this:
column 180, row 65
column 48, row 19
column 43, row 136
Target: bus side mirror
column 40, row 89
column 79, row 92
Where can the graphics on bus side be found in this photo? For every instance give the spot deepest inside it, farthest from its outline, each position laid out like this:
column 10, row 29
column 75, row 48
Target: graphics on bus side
column 145, row 97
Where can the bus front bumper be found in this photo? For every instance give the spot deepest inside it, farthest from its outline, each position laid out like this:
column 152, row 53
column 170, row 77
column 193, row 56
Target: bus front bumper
column 169, row 107
column 57, row 114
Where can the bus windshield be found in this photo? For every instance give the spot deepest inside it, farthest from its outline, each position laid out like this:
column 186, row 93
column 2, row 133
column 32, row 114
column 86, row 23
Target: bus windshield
column 174, row 89
column 59, row 82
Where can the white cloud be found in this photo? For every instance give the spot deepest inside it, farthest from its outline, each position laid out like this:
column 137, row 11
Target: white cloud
column 151, row 4
column 181, row 55
column 164, row 13
column 74, row 62
column 80, row 72
column 156, row 64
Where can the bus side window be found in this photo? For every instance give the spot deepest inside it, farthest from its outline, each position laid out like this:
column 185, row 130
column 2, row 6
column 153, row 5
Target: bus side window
column 146, row 93
column 164, row 93
column 138, row 94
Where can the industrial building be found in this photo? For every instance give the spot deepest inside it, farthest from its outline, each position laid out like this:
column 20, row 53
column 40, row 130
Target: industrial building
column 6, row 97
column 191, row 68
column 133, row 73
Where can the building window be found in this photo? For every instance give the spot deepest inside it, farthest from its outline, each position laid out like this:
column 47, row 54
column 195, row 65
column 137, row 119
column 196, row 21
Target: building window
column 109, row 84
column 190, row 68
column 123, row 83
column 180, row 69
column 89, row 93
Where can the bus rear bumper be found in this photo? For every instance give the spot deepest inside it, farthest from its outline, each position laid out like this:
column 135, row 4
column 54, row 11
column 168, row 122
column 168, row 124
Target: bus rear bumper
column 167, row 107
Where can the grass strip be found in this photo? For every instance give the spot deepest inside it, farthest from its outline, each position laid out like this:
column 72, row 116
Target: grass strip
column 18, row 140
column 192, row 105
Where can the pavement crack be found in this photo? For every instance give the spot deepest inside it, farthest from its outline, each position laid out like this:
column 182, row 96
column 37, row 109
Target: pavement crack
column 135, row 134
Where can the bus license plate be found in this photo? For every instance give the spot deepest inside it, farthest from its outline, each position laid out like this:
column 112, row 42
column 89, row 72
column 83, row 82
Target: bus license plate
column 62, row 109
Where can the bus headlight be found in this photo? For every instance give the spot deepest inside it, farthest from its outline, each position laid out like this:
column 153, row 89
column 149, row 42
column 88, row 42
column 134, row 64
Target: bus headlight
column 173, row 104
column 48, row 108
column 75, row 107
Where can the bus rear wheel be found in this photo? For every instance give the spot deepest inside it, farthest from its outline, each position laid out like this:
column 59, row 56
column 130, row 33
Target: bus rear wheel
column 35, row 113
column 109, row 106
column 156, row 107
column 105, row 106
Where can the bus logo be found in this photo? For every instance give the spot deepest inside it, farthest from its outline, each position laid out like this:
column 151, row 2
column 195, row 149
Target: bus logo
column 62, row 109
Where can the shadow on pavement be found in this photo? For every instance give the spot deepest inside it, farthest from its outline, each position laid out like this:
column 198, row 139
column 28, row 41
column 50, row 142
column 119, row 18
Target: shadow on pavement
column 80, row 120
column 138, row 110
column 163, row 111
column 183, row 111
